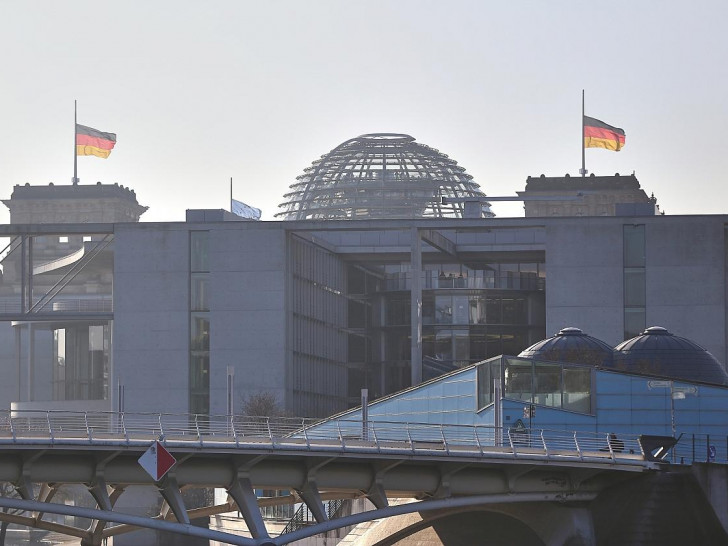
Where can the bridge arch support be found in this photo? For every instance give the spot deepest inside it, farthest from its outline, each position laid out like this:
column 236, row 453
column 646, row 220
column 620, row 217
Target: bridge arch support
column 525, row 524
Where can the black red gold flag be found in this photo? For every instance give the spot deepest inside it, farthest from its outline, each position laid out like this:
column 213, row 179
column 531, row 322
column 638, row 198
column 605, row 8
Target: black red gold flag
column 598, row 134
column 94, row 142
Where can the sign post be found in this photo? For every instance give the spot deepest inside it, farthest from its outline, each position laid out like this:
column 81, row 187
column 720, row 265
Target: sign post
column 157, row 461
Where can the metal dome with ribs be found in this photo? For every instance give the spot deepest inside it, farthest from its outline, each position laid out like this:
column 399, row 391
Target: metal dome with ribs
column 381, row 175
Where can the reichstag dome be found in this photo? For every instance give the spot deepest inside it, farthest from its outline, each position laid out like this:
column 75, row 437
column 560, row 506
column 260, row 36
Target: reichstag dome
column 381, row 175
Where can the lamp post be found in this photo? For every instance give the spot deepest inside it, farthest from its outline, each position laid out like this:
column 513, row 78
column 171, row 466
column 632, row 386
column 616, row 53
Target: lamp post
column 676, row 393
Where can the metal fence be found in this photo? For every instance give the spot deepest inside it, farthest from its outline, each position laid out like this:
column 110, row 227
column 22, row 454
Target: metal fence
column 66, row 427
column 225, row 432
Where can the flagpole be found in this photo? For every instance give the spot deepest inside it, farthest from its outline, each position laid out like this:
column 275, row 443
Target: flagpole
column 75, row 154
column 231, row 194
column 583, row 159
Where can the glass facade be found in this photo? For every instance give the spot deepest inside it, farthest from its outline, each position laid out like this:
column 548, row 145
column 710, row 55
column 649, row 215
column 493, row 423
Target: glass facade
column 470, row 312
column 81, row 356
column 551, row 384
column 199, row 366
column 322, row 376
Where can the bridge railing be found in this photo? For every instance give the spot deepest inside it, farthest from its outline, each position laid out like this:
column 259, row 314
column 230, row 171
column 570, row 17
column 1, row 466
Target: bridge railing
column 65, row 427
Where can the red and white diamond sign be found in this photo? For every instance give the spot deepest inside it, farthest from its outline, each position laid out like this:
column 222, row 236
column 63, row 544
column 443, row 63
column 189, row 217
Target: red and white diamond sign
column 157, row 461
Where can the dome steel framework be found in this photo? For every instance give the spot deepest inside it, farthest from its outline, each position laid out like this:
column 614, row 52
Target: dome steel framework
column 381, row 175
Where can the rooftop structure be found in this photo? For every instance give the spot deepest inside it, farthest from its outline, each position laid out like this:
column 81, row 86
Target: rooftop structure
column 381, row 175
column 597, row 196
column 571, row 345
column 61, row 204
column 659, row 352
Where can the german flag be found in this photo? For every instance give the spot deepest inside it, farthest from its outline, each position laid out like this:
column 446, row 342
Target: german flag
column 598, row 134
column 94, row 142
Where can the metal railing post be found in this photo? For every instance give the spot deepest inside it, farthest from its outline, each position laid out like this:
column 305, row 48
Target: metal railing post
column 510, row 441
column 543, row 441
column 88, row 428
column 12, row 428
column 123, row 428
column 50, row 427
column 578, row 447
column 270, row 431
column 376, row 440
column 409, row 437
column 305, row 433
column 341, row 438
column 707, row 448
column 609, row 445
column 197, row 428
column 444, row 439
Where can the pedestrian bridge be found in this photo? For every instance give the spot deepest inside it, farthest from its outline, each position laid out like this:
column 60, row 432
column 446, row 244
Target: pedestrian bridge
column 439, row 466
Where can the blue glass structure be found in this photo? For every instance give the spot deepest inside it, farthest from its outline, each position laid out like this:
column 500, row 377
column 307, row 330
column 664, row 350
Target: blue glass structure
column 594, row 397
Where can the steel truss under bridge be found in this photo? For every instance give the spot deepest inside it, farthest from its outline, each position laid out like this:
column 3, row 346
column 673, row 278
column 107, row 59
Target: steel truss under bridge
column 441, row 466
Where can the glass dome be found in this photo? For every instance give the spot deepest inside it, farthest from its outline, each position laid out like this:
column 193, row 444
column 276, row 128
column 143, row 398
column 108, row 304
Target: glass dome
column 382, row 175
column 571, row 345
column 658, row 352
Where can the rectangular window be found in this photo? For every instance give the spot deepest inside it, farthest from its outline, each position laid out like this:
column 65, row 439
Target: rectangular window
column 485, row 386
column 199, row 356
column 443, row 310
column 198, row 292
column 200, row 333
column 518, row 379
column 477, row 310
column 199, row 254
column 488, row 374
column 634, row 287
column 635, row 280
column 460, row 310
column 493, row 310
column 547, row 391
column 577, row 389
column 634, row 246
column 634, row 322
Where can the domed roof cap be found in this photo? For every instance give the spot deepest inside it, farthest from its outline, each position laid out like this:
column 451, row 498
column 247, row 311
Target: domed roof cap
column 571, row 345
column 659, row 352
column 382, row 175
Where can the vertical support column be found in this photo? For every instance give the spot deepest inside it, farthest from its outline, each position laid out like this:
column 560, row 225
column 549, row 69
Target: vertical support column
column 30, row 272
column 230, row 392
column 19, row 358
column 416, row 307
column 31, row 359
column 498, row 410
column 23, row 265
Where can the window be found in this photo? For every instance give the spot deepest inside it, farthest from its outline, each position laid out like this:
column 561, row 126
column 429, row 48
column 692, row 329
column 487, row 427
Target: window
column 199, row 259
column 635, row 285
column 518, row 379
column 577, row 389
column 199, row 292
column 199, row 358
column 488, row 374
column 547, row 383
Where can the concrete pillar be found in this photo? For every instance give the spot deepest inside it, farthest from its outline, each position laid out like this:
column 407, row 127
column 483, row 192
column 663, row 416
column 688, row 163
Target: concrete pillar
column 416, row 307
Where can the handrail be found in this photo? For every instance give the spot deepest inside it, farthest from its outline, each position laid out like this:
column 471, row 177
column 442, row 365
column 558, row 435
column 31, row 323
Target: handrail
column 59, row 427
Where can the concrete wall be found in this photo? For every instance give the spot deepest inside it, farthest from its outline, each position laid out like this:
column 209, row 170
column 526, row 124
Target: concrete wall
column 686, row 279
column 248, row 310
column 151, row 316
column 584, row 286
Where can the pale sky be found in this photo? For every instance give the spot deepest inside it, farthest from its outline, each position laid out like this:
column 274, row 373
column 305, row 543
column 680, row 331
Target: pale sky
column 199, row 92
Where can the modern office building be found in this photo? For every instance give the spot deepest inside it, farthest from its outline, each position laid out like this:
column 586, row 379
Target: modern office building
column 351, row 291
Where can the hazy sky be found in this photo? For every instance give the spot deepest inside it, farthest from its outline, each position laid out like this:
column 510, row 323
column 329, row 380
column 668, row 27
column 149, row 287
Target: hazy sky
column 198, row 92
